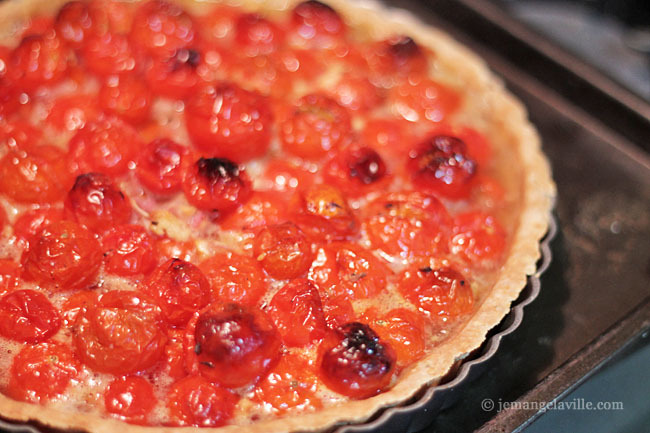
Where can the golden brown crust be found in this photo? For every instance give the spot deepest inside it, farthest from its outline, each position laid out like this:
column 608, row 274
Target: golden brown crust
column 508, row 120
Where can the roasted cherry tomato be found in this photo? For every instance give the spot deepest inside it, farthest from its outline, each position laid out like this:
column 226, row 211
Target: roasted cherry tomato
column 20, row 134
column 180, row 289
column 62, row 256
column 227, row 121
column 338, row 310
column 478, row 238
column 159, row 166
column 28, row 317
column 174, row 354
column 95, row 202
column 120, row 334
column 38, row 60
column 30, row 177
column 131, row 398
column 42, row 372
column 77, row 20
column 178, row 75
column 72, row 112
column 231, row 345
column 166, row 248
column 442, row 166
column 234, row 277
column 216, row 184
column 355, row 362
column 407, row 223
column 160, row 28
column 356, row 93
column 127, row 97
column 357, row 170
column 403, row 329
column 256, row 35
column 109, row 53
column 323, row 213
column 128, row 250
column 107, row 145
column 318, row 125
column 297, row 312
column 317, row 25
column 282, row 175
column 262, row 209
column 194, row 401
column 283, row 250
column 349, row 270
column 443, row 292
column 9, row 276
column 397, row 57
column 75, row 303
column 291, row 385
column 424, row 100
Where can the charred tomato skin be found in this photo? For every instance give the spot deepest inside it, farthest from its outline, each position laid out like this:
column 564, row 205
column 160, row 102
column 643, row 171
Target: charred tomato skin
column 355, row 362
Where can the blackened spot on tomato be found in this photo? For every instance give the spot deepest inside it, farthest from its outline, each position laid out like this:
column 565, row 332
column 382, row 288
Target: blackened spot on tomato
column 217, row 169
column 186, row 57
column 362, row 347
column 426, row 270
column 445, row 157
column 367, row 166
column 404, row 48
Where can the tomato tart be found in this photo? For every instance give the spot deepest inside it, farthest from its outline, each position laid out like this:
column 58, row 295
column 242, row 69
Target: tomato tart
column 260, row 216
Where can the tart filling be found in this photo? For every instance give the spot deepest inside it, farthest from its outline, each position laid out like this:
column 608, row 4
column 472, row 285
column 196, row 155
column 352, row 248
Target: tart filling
column 255, row 217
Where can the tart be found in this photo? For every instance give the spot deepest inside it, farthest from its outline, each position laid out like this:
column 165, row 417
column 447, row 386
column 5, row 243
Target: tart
column 264, row 217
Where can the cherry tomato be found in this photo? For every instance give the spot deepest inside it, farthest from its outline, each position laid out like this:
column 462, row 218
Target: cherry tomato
column 75, row 303
column 356, row 93
column 317, row 25
column 20, row 134
column 73, row 112
column 33, row 221
column 174, row 354
column 403, row 329
column 127, row 97
column 478, row 147
column 9, row 276
column 282, row 175
column 297, row 312
column 318, row 125
column 159, row 166
column 478, row 238
column 62, row 256
column 177, row 76
column 227, row 121
column 262, row 209
column 180, row 288
column 323, row 213
column 442, row 166
column 160, row 28
column 107, row 145
column 42, row 372
column 407, row 223
column 28, row 317
column 131, row 398
column 399, row 56
column 357, row 170
column 389, row 136
column 38, row 60
column 33, row 178
column 350, row 271
column 443, row 293
column 256, row 35
column 128, row 250
column 120, row 334
column 291, row 385
column 231, row 345
column 283, row 251
column 234, row 278
column 95, row 202
column 76, row 20
column 216, row 184
column 355, row 362
column 109, row 53
column 194, row 401
column 424, row 100
column 166, row 248
column 337, row 310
